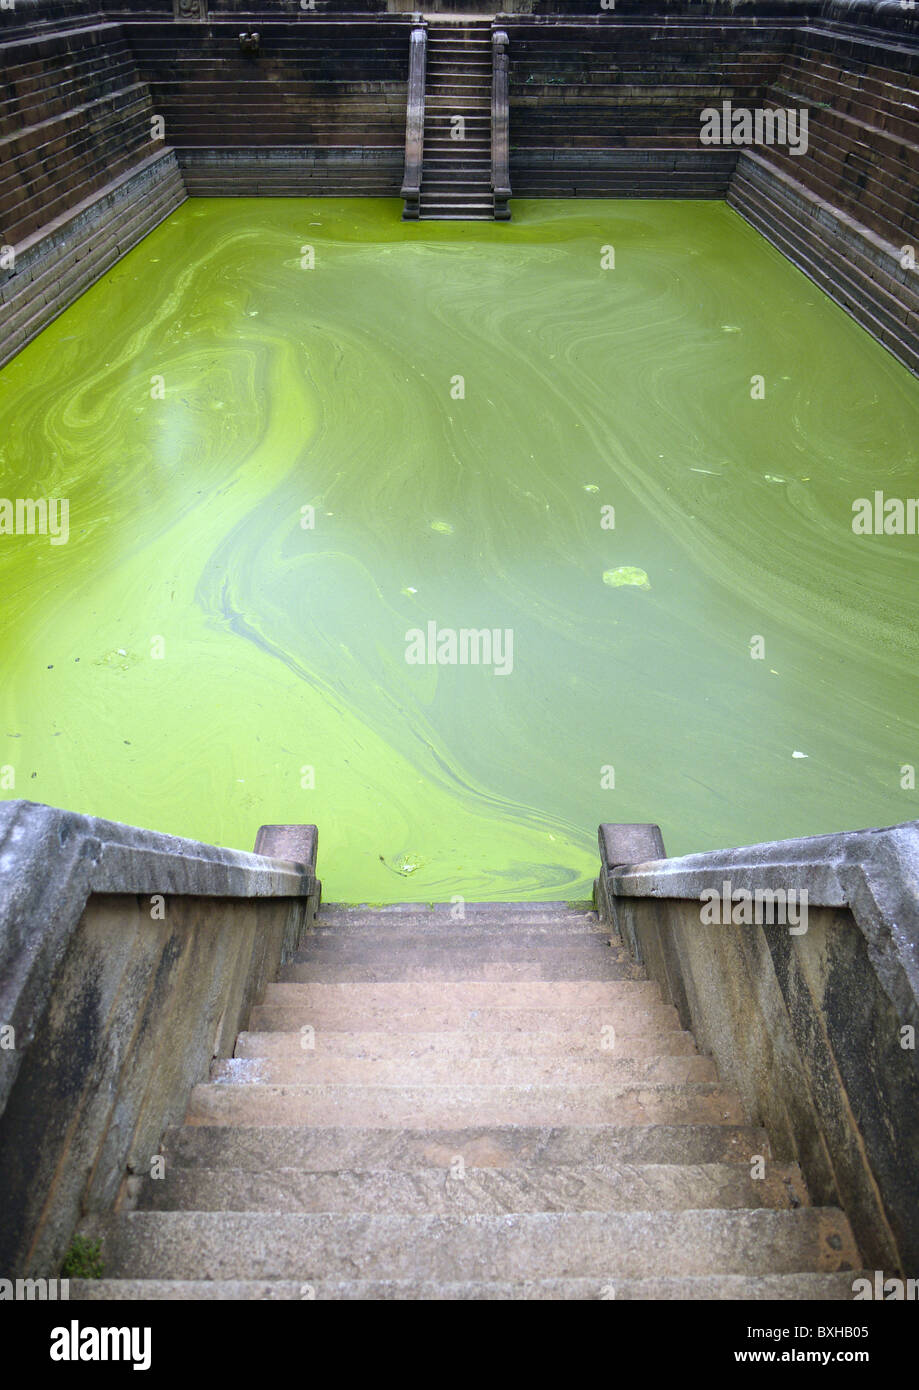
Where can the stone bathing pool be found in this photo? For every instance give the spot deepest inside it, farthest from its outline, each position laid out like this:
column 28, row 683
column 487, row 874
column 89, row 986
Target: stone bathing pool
column 458, row 539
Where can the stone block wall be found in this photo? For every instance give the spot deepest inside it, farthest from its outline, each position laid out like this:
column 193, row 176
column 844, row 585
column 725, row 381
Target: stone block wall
column 847, row 211
column 320, row 109
column 811, row 1028
column 128, row 960
column 610, row 106
column 602, row 103
column 74, row 115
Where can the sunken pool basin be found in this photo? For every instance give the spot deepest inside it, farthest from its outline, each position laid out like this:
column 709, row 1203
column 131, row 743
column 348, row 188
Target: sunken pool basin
column 458, row 539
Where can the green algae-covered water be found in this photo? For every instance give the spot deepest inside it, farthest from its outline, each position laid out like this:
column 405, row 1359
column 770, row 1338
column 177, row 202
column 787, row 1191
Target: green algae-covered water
column 293, row 433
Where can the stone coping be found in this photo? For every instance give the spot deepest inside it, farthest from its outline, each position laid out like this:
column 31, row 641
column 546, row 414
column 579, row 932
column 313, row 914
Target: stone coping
column 873, row 873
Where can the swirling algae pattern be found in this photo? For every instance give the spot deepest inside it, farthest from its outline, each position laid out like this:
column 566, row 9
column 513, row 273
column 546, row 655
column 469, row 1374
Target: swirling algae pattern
column 198, row 659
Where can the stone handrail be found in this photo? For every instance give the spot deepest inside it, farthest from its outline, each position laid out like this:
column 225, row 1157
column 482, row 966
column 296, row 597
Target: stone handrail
column 500, row 121
column 128, row 960
column 813, row 1018
column 414, row 122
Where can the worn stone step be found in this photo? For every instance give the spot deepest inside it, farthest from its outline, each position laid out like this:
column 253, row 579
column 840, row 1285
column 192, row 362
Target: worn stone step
column 491, row 917
column 522, row 942
column 364, row 997
column 458, row 213
column 748, row 1287
column 462, row 187
column 485, row 949
column 467, row 86
column 379, row 966
column 462, row 1044
column 458, row 1106
column 314, row 1066
column 630, row 1245
column 333, row 1148
column 471, row 157
column 458, row 104
column 441, row 93
column 475, row 143
column 461, row 167
column 382, row 1192
column 439, row 163
column 435, row 143
column 431, row 946
column 438, row 125
column 447, row 84
column 589, row 1020
column 551, row 930
column 477, row 120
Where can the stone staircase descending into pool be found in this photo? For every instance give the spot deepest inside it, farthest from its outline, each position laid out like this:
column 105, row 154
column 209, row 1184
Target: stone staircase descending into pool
column 493, row 1107
column 456, row 174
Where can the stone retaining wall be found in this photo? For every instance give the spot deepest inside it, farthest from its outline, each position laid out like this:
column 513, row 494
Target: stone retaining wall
column 812, row 1029
column 601, row 104
column 128, row 960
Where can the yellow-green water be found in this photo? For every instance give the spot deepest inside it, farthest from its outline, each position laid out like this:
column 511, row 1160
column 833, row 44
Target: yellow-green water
column 283, row 648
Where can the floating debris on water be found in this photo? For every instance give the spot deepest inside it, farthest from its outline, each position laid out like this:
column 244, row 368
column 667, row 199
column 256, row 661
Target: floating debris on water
column 626, row 575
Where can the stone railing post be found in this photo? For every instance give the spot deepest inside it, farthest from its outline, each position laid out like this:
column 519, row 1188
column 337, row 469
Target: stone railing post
column 414, row 123
column 500, row 175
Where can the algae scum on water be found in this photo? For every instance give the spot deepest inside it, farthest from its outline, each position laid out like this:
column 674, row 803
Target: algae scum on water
column 275, row 473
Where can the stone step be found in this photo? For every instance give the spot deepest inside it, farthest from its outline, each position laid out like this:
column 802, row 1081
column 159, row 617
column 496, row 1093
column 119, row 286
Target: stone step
column 459, row 185
column 478, row 941
column 456, row 212
column 512, row 910
column 476, row 115
column 450, row 84
column 364, row 997
column 521, row 948
column 636, row 1245
column 748, row 1287
column 449, row 148
column 491, row 1191
column 443, row 916
column 335, row 1148
column 383, row 966
column 624, row 1017
column 471, row 160
column 315, row 1066
column 460, row 1044
column 451, row 65
column 447, row 100
column 469, row 91
column 557, row 935
column 442, row 144
column 459, row 1106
